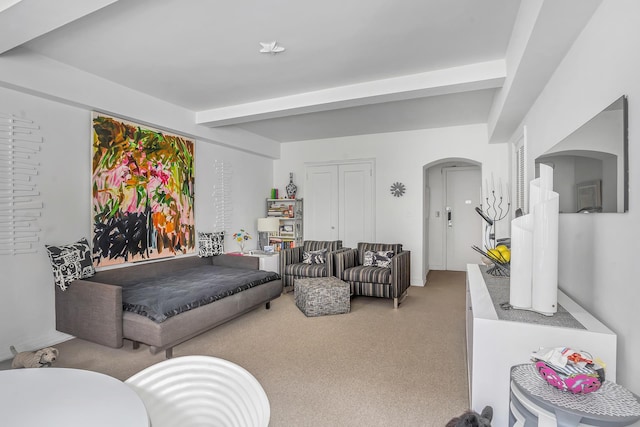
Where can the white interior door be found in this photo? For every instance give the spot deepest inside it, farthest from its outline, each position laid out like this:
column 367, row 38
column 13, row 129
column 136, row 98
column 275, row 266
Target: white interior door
column 339, row 203
column 355, row 203
column 321, row 203
column 463, row 225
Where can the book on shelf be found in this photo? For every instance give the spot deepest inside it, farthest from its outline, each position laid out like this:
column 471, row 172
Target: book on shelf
column 283, row 211
column 282, row 244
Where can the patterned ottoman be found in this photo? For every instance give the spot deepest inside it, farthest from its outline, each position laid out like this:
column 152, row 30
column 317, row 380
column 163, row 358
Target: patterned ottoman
column 322, row 295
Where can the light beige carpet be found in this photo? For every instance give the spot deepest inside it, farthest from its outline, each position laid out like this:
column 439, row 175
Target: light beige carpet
column 374, row 366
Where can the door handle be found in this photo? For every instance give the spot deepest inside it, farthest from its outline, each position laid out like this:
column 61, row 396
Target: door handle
column 449, row 221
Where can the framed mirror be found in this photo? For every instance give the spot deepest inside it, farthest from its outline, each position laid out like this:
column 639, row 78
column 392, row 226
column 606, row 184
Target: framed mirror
column 591, row 166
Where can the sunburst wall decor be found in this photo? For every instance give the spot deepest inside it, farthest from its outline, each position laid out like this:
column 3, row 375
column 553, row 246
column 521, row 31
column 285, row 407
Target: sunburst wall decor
column 397, row 189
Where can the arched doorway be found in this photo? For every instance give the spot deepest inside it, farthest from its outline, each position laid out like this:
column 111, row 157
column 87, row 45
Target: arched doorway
column 448, row 182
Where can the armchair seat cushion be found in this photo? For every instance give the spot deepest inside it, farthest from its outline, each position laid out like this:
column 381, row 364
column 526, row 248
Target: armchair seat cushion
column 367, row 274
column 306, row 270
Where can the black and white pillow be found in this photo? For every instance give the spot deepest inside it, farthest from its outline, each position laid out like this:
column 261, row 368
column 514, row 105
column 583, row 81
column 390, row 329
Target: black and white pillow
column 314, row 257
column 70, row 262
column 378, row 259
column 210, row 244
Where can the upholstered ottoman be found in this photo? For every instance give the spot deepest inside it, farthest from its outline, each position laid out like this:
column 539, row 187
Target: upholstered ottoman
column 319, row 296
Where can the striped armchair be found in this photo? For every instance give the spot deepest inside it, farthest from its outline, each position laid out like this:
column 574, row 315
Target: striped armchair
column 292, row 267
column 392, row 282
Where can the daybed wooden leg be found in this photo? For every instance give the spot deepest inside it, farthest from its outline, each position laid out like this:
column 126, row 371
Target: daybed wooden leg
column 168, row 353
column 268, row 305
column 136, row 345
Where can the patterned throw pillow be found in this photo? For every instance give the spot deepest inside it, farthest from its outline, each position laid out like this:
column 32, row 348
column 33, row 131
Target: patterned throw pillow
column 378, row 259
column 314, row 257
column 210, row 244
column 70, row 262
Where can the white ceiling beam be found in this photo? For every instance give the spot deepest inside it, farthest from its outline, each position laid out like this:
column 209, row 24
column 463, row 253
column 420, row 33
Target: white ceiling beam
column 543, row 33
column 28, row 72
column 485, row 75
column 27, row 19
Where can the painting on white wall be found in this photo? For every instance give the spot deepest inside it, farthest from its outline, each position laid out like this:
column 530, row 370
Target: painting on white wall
column 142, row 192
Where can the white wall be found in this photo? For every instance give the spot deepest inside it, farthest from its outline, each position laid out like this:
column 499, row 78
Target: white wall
column 26, row 288
column 598, row 263
column 400, row 157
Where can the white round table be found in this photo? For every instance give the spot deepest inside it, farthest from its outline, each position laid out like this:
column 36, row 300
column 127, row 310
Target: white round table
column 68, row 397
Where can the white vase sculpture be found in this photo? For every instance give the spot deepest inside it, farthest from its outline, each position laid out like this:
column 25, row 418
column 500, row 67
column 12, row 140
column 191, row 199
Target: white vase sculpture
column 534, row 249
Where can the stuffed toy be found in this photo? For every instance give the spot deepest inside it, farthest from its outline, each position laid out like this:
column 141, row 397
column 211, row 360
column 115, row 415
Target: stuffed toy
column 472, row 419
column 34, row 359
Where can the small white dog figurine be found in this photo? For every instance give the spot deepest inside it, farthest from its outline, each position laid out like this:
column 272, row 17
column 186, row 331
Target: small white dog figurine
column 34, row 359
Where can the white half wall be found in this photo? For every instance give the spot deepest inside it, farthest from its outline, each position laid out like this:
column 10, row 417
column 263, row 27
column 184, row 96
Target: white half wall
column 400, row 157
column 598, row 262
column 26, row 289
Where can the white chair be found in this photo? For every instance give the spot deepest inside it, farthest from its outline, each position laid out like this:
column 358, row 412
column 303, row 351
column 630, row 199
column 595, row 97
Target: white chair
column 201, row 391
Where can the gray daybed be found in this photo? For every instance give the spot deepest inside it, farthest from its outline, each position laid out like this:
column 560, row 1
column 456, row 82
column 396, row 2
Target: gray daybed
column 135, row 302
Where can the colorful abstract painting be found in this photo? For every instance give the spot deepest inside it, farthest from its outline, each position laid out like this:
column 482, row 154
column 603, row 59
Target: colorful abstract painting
column 142, row 186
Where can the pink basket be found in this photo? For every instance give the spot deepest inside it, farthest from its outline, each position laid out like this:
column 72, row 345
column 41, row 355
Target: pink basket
column 578, row 383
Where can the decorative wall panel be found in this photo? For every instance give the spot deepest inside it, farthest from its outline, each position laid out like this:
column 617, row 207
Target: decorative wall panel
column 222, row 195
column 20, row 204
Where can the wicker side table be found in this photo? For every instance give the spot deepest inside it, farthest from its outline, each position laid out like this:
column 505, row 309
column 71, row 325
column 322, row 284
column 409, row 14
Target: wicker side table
column 321, row 296
column 536, row 403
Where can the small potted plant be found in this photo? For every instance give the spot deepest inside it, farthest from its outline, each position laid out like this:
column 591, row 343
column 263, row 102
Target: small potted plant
column 241, row 237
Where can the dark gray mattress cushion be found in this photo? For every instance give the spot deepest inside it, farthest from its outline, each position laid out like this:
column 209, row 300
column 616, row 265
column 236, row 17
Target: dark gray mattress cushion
column 161, row 298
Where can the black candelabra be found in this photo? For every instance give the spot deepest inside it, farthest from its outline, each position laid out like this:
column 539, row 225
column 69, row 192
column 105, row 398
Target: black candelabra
column 495, row 209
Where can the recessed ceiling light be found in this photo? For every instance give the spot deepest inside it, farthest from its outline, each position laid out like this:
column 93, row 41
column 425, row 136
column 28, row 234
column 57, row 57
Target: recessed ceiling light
column 271, row 47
